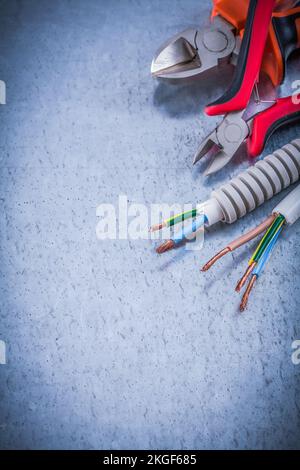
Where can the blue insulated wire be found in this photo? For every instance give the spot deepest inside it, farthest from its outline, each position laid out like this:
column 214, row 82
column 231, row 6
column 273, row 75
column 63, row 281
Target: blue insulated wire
column 186, row 231
column 260, row 265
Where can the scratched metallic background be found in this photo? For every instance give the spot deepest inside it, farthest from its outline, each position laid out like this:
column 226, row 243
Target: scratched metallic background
column 109, row 345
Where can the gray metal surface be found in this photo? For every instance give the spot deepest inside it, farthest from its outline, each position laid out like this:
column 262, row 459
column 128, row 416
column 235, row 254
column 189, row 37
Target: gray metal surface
column 109, row 345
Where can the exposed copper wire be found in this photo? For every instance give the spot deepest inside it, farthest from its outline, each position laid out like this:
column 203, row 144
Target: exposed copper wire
column 156, row 227
column 212, row 261
column 165, row 246
column 252, row 233
column 240, row 241
column 247, row 292
column 244, row 278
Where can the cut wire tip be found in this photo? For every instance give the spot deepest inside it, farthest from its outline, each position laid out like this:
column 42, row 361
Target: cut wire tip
column 215, row 258
column 167, row 245
column 245, row 298
column 244, row 278
column 156, row 227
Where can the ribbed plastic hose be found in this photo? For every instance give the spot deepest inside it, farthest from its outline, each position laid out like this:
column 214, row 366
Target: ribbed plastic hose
column 259, row 183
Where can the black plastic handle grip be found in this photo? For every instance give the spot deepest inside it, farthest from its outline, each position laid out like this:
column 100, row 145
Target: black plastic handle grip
column 249, row 60
column 287, row 33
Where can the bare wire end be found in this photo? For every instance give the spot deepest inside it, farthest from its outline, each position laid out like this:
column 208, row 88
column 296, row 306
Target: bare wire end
column 247, row 292
column 244, row 278
column 167, row 245
column 156, row 227
column 215, row 258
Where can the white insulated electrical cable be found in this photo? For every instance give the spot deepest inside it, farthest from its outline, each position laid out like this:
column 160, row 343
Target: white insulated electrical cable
column 289, row 207
column 255, row 186
column 247, row 191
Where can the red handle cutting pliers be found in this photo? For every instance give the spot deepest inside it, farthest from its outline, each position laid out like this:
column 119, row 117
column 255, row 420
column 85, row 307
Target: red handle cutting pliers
column 228, row 137
column 235, row 128
column 268, row 38
column 195, row 52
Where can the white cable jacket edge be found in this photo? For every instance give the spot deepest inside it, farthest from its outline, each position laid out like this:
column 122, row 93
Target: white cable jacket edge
column 289, row 207
column 253, row 187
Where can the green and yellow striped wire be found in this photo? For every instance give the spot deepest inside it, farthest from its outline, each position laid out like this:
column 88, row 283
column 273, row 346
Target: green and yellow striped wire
column 180, row 217
column 272, row 230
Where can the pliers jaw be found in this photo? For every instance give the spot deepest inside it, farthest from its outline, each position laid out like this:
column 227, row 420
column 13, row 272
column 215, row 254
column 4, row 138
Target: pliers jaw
column 178, row 57
column 225, row 141
column 193, row 52
column 253, row 126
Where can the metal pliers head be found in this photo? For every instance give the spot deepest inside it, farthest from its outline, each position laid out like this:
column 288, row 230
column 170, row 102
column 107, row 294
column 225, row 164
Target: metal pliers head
column 224, row 141
column 193, row 52
column 254, row 129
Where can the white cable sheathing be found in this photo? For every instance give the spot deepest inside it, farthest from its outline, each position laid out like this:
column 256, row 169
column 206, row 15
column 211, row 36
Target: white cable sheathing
column 259, row 183
column 290, row 206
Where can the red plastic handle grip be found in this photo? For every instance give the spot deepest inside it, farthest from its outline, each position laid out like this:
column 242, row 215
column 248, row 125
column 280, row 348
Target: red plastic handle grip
column 249, row 61
column 284, row 111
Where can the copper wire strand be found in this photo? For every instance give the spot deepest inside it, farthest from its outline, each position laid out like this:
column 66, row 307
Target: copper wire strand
column 245, row 276
column 165, row 246
column 240, row 241
column 252, row 233
column 247, row 292
column 156, row 227
column 215, row 258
